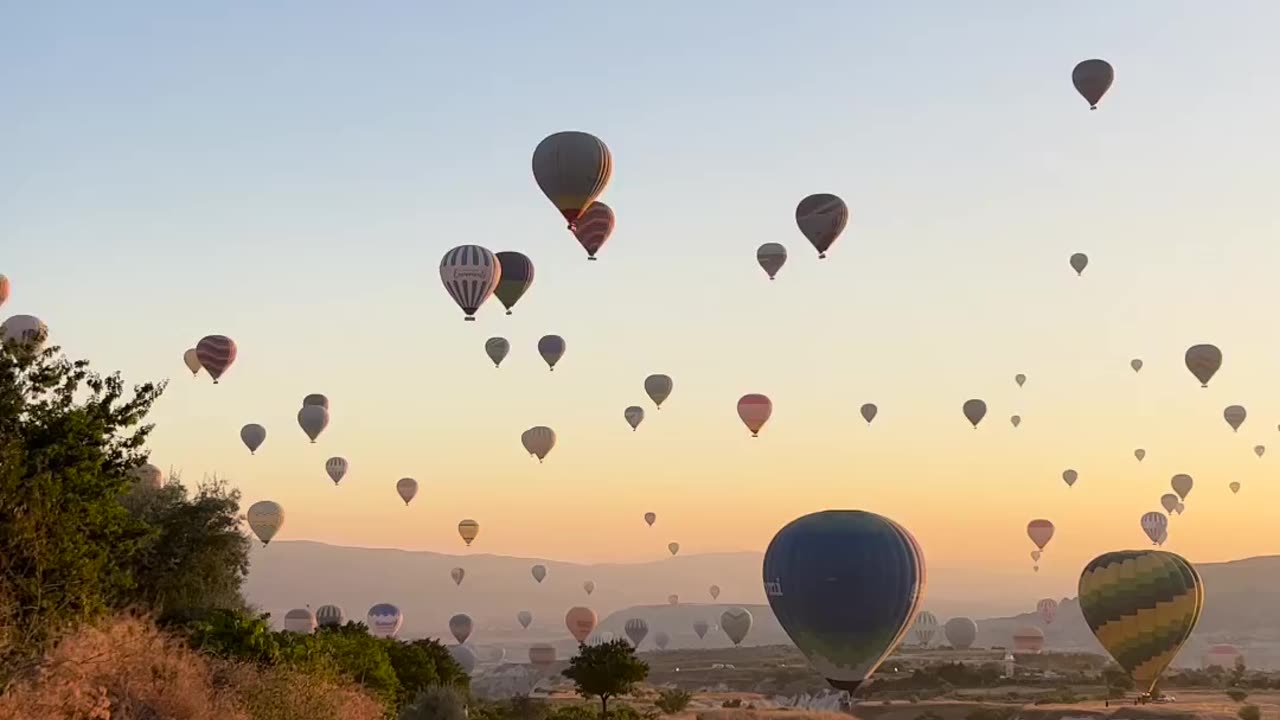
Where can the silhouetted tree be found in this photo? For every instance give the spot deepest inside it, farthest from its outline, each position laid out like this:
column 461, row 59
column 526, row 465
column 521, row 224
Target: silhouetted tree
column 606, row 671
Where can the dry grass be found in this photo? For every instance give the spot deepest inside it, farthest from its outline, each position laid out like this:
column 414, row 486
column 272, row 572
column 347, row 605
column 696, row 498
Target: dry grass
column 736, row 714
column 126, row 669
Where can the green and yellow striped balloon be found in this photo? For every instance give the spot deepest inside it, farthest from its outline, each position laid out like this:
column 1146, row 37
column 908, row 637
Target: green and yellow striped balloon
column 1142, row 605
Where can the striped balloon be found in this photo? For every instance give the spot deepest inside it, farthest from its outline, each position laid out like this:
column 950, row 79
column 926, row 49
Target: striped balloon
column 4, row 289
column 468, row 530
column 539, row 440
column 572, row 168
column 925, row 627
column 330, row 616
column 822, row 218
column 216, row 353
column 594, row 228
column 1156, row 526
column 470, row 274
column 755, row 409
column 517, row 276
column 1142, row 605
column 336, row 468
column 299, row 620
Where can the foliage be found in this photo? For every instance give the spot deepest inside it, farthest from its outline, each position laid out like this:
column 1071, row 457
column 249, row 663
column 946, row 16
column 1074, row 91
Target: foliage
column 606, row 671
column 1061, row 696
column 572, row 711
column 1236, row 678
column 626, row 712
column 236, row 635
column 436, row 703
column 1249, row 712
column 196, row 557
column 68, row 440
column 422, row 665
column 992, row 713
column 673, row 701
column 1117, row 678
column 1237, row 694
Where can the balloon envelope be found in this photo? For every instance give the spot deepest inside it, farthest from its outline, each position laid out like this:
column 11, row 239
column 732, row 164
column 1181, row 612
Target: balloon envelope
column 594, row 227
column 673, row 548
column 1181, row 484
column 539, row 572
column 960, row 632
column 1020, row 379
column 313, row 419
column 465, row 658
column 524, row 617
column 754, row 410
column 700, row 628
column 542, row 655
column 974, row 410
column 457, row 574
column 470, row 274
column 468, row 530
column 736, row 623
column 572, row 168
column 216, row 354
column 1156, row 526
column 661, row 639
column 1136, row 364
column 253, row 435
column 845, row 586
column 580, row 621
column 1235, row 487
column 497, row 348
column 336, row 468
column 1079, row 262
column 330, row 616
column 634, row 415
column 149, row 476
column 460, row 626
column 924, row 628
column 299, row 620
column 384, row 620
column 821, row 218
column 650, row 518
column 191, row 359
column 589, row 587
column 1048, row 609
column 4, row 289
column 1140, row 454
column 1092, row 79
column 1069, row 477
column 1040, row 532
column 316, row 399
column 636, row 630
column 1203, row 361
column 265, row 519
column 715, row 592
column 1234, row 415
column 1169, row 502
column 539, row 441
column 771, row 257
column 658, row 388
column 515, row 278
column 406, row 488
column 868, row 412
column 1028, row 640
column 1142, row 606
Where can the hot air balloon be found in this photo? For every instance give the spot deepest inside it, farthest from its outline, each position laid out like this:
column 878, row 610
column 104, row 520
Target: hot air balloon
column 465, row 658
column 542, row 655
column 673, row 599
column 1048, row 609
column 650, row 518
column 470, row 274
column 497, row 348
column 580, row 621
column 1222, row 656
column 1015, row 420
column 149, row 476
column 674, row 548
column 1079, row 262
column 736, row 623
column 1136, row 364
column 869, row 411
column 384, row 620
column 457, row 574
column 313, row 419
column 253, row 435
column 468, row 530
column 1181, row 484
column 4, row 289
column 845, row 586
column 771, row 257
column 572, row 168
column 1040, row 532
column 1235, row 487
column 316, row 399
column 191, row 359
column 1234, row 415
column 636, row 630
column 700, row 628
column 1203, row 361
column 960, row 632
column 516, row 277
column 539, row 572
column 336, row 468
column 1169, row 502
column 715, row 592
column 822, row 218
column 1020, row 379
column 216, row 353
column 661, row 639
column 299, row 620
column 26, row 331
column 330, row 616
column 658, row 388
column 594, row 227
column 1140, row 454
column 1156, row 526
column 539, row 441
column 1259, row 450
column 1092, row 79
column 1035, row 555
column 589, row 586
column 634, row 415
column 460, row 625
column 1069, row 477
column 524, row 617
column 265, row 518
column 924, row 628
column 1142, row 605
column 406, row 488
column 754, row 410
column 1180, row 507
column 974, row 411
column 1028, row 640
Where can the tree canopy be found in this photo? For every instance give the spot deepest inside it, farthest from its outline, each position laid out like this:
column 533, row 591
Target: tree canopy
column 606, row 670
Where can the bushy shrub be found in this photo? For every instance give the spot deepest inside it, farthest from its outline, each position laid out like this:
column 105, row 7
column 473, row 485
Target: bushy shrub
column 1249, row 712
column 436, row 703
column 572, row 711
column 673, row 701
column 1237, row 694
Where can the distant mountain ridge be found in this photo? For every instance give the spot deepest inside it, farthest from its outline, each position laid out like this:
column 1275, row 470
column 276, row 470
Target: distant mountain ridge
column 1240, row 603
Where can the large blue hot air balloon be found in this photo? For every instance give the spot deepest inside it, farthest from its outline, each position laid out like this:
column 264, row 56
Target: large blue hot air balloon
column 845, row 585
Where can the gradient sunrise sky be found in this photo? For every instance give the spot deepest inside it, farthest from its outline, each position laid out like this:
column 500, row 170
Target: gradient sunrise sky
column 290, row 173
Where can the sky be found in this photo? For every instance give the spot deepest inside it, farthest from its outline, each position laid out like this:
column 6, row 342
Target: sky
column 289, row 174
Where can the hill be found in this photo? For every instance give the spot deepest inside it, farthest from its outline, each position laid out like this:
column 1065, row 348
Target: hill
column 1239, row 606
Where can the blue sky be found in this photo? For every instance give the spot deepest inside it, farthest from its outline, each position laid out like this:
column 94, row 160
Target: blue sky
column 290, row 174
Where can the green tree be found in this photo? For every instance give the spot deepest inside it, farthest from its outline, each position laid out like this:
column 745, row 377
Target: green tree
column 1236, row 677
column 673, row 701
column 196, row 557
column 69, row 438
column 437, row 703
column 423, row 664
column 605, row 671
column 237, row 635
